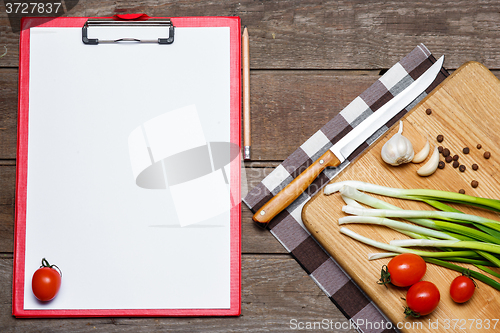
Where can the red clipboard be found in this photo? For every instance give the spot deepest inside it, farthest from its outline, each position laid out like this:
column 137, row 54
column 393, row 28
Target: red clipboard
column 19, row 283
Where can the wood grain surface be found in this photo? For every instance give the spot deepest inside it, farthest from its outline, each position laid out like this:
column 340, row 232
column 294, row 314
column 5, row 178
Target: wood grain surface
column 275, row 293
column 463, row 109
column 309, row 59
column 330, row 34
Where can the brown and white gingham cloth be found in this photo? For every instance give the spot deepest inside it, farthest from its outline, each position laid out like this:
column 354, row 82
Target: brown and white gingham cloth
column 287, row 226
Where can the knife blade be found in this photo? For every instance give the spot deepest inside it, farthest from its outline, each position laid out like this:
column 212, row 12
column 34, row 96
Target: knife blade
column 341, row 150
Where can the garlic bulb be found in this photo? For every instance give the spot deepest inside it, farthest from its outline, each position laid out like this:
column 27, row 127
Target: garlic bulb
column 398, row 149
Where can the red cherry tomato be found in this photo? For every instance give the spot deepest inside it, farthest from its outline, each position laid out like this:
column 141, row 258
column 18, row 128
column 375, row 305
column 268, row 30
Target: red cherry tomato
column 46, row 281
column 462, row 288
column 422, row 298
column 404, row 270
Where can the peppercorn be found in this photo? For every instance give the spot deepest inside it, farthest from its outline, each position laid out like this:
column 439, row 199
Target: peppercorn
column 441, row 165
column 461, row 191
column 487, row 155
column 466, row 150
column 455, row 157
column 440, row 149
column 462, row 168
column 440, row 138
column 455, row 164
column 446, row 152
column 428, row 111
column 475, row 166
column 474, row 183
column 478, row 146
column 448, row 159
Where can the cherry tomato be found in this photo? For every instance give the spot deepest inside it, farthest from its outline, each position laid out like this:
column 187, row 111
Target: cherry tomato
column 404, row 270
column 462, row 288
column 46, row 281
column 422, row 298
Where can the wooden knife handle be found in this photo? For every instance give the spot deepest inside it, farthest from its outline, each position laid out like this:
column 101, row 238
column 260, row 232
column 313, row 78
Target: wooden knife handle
column 293, row 190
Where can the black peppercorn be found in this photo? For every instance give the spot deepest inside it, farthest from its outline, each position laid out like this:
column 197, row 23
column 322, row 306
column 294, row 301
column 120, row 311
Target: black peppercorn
column 446, row 152
column 474, row 183
column 455, row 157
column 462, row 168
column 466, row 150
column 441, row 165
column 440, row 138
column 487, row 155
column 461, row 191
column 428, row 111
column 455, row 164
column 475, row 166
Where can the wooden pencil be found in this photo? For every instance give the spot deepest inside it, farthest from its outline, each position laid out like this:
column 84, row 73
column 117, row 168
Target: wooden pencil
column 246, row 93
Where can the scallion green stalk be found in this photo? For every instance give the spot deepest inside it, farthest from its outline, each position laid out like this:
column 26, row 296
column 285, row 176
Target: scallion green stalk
column 428, row 256
column 427, row 214
column 488, row 247
column 477, row 262
column 417, row 194
column 395, row 225
column 392, row 248
column 474, row 274
column 487, row 270
column 453, row 231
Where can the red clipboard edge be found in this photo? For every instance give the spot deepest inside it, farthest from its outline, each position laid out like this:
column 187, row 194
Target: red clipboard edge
column 234, row 23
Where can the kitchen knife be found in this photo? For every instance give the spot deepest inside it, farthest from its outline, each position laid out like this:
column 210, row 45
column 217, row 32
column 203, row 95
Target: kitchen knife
column 341, row 150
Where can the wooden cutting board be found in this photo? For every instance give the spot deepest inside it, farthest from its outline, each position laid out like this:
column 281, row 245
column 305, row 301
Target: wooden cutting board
column 466, row 111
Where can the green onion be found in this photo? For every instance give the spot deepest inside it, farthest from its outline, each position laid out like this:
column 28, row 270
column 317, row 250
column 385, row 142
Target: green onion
column 476, row 262
column 487, row 270
column 446, row 208
column 456, row 230
column 428, row 256
column 399, row 249
column 474, row 274
column 428, row 214
column 438, row 229
column 395, row 225
column 417, row 194
column 488, row 247
column 349, row 192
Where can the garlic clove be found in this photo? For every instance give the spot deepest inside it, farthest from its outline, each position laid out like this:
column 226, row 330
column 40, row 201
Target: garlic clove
column 422, row 154
column 430, row 167
column 398, row 149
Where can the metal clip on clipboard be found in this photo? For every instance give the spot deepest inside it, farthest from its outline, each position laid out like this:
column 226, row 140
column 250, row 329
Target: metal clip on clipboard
column 112, row 23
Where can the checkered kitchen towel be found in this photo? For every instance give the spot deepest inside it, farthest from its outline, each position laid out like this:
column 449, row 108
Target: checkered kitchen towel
column 288, row 228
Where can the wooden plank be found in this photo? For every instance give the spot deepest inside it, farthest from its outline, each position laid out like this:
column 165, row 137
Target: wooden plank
column 290, row 106
column 464, row 110
column 7, row 228
column 328, row 34
column 8, row 185
column 8, row 112
column 7, row 200
column 275, row 291
column 254, row 239
column 287, row 107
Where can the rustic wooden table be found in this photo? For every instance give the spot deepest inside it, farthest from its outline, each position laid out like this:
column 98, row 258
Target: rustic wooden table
column 309, row 59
